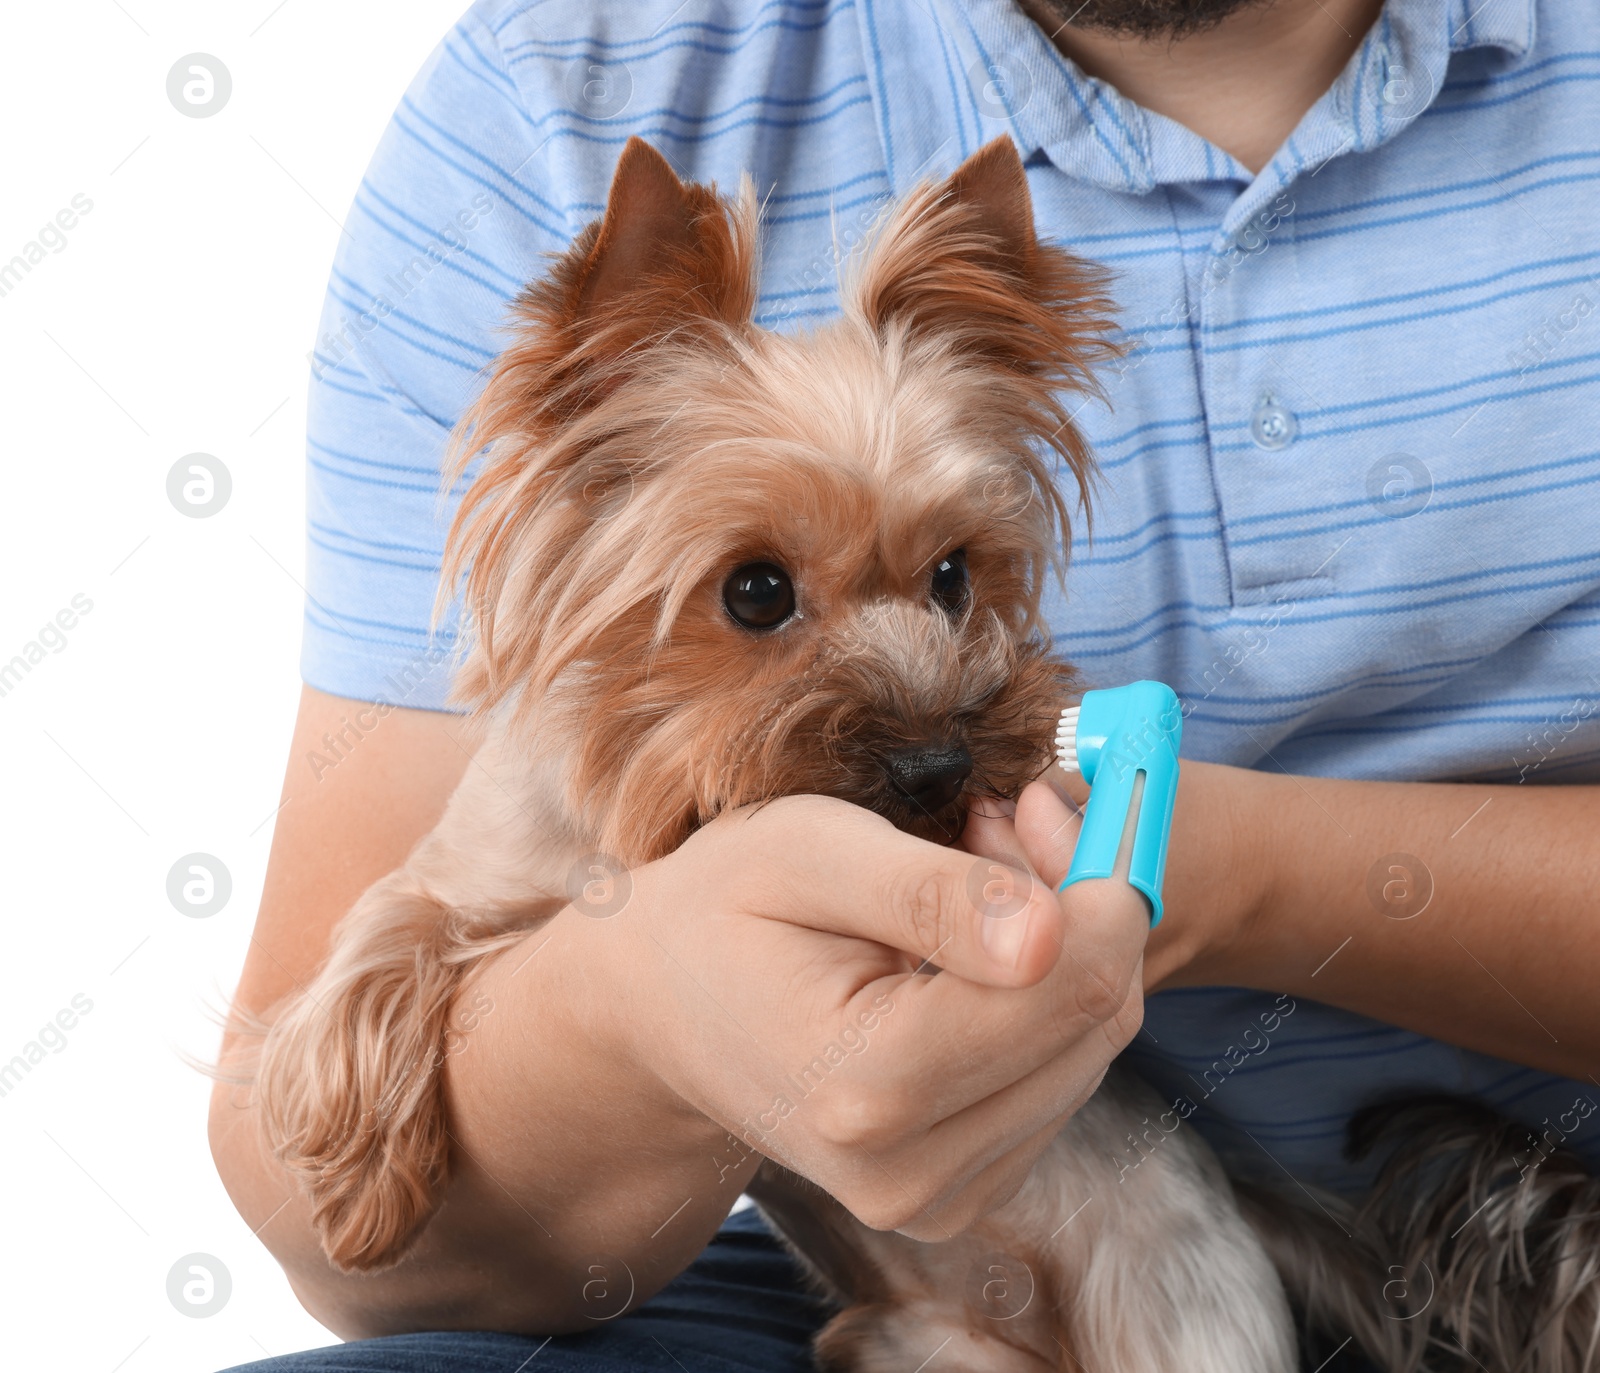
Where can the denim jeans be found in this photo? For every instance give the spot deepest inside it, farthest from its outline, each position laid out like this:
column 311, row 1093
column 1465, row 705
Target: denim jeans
column 741, row 1307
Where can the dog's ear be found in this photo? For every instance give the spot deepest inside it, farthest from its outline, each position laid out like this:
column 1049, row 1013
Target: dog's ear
column 659, row 235
column 986, row 215
column 960, row 260
column 670, row 259
column 671, row 265
column 959, row 265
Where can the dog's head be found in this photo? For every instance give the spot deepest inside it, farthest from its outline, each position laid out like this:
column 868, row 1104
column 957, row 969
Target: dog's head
column 710, row 564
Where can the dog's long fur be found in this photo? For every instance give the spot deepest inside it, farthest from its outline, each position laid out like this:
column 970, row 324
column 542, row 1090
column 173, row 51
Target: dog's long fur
column 1477, row 1247
column 638, row 440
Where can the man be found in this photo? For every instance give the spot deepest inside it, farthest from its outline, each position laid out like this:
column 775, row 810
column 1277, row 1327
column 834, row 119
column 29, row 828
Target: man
column 1348, row 512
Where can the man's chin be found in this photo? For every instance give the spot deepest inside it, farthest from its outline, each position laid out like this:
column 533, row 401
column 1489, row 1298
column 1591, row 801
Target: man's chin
column 1143, row 19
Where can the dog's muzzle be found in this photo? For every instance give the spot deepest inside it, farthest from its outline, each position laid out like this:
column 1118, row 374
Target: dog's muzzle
column 929, row 776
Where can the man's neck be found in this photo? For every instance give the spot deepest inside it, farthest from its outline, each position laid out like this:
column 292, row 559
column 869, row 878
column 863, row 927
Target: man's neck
column 1242, row 85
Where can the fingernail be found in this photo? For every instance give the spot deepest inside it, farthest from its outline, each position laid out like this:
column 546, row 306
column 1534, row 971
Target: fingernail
column 1004, row 935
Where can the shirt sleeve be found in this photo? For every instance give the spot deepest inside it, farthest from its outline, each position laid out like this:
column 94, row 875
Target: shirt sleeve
column 448, row 223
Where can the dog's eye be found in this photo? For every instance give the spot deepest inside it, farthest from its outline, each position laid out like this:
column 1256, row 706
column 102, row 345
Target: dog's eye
column 950, row 583
column 759, row 595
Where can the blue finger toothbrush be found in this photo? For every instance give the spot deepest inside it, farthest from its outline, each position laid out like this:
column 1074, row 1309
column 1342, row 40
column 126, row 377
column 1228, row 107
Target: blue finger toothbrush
column 1123, row 742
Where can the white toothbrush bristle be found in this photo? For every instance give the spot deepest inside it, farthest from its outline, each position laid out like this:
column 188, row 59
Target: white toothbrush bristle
column 1067, row 739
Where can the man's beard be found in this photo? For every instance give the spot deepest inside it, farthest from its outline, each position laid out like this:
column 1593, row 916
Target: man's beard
column 1143, row 18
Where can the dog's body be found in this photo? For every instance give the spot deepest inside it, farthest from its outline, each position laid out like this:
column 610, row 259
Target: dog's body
column 703, row 566
column 1092, row 1265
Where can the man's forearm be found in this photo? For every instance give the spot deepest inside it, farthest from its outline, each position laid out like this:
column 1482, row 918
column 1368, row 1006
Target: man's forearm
column 1464, row 912
column 565, row 1196
column 546, row 1173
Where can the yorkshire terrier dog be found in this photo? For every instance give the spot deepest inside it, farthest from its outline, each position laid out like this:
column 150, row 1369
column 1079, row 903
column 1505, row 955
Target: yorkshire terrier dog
column 703, row 565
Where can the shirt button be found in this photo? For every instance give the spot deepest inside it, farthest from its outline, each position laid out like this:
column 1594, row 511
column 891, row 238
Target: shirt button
column 1273, row 425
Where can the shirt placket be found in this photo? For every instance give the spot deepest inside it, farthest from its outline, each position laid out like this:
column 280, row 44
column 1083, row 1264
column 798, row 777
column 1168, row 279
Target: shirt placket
column 1260, row 403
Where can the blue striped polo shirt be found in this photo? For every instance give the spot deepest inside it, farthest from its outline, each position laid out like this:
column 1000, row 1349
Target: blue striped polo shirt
column 1351, row 497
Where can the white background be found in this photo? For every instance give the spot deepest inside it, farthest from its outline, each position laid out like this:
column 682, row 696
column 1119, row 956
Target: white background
column 176, row 319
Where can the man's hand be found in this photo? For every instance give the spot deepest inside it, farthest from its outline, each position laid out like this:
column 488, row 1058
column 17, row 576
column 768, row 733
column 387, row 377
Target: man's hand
column 1462, row 911
column 777, row 976
column 1217, row 864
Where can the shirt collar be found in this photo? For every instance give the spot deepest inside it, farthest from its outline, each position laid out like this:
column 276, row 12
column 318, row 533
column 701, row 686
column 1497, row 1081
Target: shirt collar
column 948, row 75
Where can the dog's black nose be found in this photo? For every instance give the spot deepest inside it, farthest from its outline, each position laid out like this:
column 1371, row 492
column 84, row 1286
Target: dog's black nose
column 929, row 776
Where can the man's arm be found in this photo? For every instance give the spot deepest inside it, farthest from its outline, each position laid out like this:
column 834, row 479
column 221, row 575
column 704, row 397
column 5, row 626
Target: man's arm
column 481, row 1262
column 616, row 1087
column 1465, row 912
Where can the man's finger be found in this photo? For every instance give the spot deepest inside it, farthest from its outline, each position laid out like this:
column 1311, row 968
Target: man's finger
column 1024, row 1115
column 1047, row 826
column 952, row 1043
column 837, row 868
